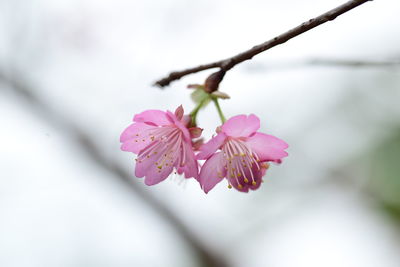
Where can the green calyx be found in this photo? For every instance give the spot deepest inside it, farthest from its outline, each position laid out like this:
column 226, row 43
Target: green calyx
column 202, row 99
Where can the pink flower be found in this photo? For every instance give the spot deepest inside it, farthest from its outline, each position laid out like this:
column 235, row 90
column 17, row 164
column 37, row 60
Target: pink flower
column 243, row 154
column 163, row 143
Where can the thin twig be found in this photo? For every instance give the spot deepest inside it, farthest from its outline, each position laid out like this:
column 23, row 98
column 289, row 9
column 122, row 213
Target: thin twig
column 205, row 256
column 229, row 63
column 354, row 63
column 325, row 62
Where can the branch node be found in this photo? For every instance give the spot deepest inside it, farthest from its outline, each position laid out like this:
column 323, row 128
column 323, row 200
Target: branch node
column 213, row 81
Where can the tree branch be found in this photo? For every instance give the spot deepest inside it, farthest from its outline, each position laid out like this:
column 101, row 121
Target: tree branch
column 229, row 63
column 325, row 62
column 353, row 63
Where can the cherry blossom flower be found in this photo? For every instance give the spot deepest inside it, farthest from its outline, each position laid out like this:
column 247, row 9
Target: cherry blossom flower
column 242, row 157
column 163, row 143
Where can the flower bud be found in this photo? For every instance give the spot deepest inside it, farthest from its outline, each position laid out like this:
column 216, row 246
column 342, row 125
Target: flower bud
column 213, row 81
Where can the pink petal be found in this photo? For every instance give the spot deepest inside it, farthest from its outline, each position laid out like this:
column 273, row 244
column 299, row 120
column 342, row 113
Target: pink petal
column 241, row 125
column 212, row 172
column 179, row 112
column 172, row 118
column 133, row 130
column 256, row 172
column 133, row 136
column 211, row 146
column 154, row 177
column 146, row 167
column 153, row 116
column 190, row 167
column 179, row 124
column 267, row 147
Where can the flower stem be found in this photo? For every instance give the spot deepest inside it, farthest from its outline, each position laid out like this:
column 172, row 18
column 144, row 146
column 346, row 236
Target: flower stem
column 194, row 112
column 221, row 115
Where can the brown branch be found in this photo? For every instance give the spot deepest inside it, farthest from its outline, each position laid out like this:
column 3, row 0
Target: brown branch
column 353, row 63
column 229, row 63
column 326, row 62
column 205, row 256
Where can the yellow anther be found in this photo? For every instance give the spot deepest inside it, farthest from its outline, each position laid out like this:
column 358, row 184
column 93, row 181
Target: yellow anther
column 264, row 165
column 246, row 180
column 239, row 174
column 229, row 186
column 240, row 186
column 155, row 152
column 253, row 183
column 242, row 154
column 159, row 166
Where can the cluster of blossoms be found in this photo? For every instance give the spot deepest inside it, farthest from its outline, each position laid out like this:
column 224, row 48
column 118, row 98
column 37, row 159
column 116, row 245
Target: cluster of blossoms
column 164, row 142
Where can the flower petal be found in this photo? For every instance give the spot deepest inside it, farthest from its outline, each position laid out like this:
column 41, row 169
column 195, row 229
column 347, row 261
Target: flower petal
column 180, row 125
column 267, row 147
column 254, row 174
column 153, row 116
column 154, row 177
column 179, row 112
column 190, row 167
column 153, row 173
column 211, row 146
column 212, row 172
column 241, row 125
column 136, row 137
column 134, row 129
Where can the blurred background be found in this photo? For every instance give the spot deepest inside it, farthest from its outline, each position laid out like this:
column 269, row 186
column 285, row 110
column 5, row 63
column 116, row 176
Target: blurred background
column 74, row 72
